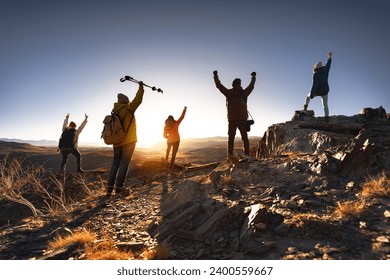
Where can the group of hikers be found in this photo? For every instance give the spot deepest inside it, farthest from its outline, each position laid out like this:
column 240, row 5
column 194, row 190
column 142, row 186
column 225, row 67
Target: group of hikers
column 237, row 113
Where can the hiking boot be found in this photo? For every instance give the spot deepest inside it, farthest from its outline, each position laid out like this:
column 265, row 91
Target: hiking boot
column 246, row 158
column 232, row 159
column 122, row 191
column 304, row 107
column 109, row 191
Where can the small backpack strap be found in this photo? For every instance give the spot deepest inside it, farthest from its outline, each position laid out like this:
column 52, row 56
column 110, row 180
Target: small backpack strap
column 250, row 114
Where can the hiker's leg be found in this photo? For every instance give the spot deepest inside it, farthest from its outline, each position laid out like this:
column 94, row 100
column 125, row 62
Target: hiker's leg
column 244, row 136
column 325, row 105
column 114, row 169
column 307, row 101
column 169, row 145
column 231, row 133
column 65, row 155
column 127, row 153
column 77, row 154
column 174, row 152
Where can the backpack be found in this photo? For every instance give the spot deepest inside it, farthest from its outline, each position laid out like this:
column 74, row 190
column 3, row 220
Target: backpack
column 67, row 138
column 113, row 133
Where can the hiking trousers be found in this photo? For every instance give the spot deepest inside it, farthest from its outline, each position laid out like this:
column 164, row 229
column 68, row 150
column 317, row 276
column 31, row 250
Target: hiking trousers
column 120, row 165
column 175, row 146
column 65, row 154
column 324, row 103
column 241, row 125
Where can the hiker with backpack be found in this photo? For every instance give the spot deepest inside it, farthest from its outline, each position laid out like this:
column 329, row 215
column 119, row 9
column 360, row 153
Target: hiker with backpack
column 68, row 143
column 123, row 150
column 237, row 111
column 171, row 133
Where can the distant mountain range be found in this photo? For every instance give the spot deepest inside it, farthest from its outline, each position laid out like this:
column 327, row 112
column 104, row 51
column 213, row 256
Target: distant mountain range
column 43, row 142
column 185, row 143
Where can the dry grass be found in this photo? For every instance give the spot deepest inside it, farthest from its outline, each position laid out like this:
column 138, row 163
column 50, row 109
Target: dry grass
column 379, row 186
column 373, row 187
column 95, row 250
column 349, row 209
column 106, row 250
column 227, row 179
column 34, row 186
column 82, row 237
column 161, row 252
column 301, row 218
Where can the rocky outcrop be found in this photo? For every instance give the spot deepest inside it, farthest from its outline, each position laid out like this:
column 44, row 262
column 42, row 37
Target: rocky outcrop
column 350, row 146
column 305, row 197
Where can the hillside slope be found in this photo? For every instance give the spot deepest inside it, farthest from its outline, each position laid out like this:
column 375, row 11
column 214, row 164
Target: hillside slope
column 317, row 191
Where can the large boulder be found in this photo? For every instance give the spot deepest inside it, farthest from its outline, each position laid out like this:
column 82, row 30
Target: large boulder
column 353, row 146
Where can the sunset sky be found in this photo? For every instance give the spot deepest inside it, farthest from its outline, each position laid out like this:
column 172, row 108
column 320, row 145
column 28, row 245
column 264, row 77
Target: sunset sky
column 59, row 57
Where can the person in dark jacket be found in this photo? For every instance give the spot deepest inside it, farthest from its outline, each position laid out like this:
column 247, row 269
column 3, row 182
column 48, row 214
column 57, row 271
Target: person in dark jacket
column 236, row 100
column 72, row 146
column 123, row 152
column 320, row 85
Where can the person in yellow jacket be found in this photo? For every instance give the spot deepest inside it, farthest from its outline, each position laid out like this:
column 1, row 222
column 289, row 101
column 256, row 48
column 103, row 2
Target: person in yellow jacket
column 171, row 133
column 123, row 152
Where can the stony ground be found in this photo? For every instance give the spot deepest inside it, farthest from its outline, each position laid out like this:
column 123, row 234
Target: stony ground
column 275, row 208
column 305, row 199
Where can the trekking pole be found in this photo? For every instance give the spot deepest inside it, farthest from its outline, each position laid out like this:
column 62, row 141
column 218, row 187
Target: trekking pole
column 131, row 79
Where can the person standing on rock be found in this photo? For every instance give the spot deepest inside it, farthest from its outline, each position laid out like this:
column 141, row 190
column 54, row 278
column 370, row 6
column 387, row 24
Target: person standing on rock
column 123, row 152
column 320, row 85
column 68, row 143
column 237, row 111
column 171, row 133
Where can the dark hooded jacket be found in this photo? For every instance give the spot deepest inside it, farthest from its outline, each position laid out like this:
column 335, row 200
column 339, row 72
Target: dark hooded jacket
column 236, row 99
column 320, row 80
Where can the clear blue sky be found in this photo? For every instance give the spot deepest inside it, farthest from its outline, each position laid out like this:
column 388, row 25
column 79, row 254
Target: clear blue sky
column 59, row 57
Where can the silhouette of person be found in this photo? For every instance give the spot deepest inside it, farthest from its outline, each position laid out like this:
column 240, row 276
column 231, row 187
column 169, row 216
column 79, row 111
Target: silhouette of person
column 123, row 152
column 171, row 133
column 237, row 111
column 320, row 85
column 69, row 142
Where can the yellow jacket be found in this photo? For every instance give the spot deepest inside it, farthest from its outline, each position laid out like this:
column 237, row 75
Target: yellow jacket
column 126, row 114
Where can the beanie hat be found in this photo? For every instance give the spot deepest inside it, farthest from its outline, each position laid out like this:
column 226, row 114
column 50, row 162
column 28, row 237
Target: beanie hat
column 72, row 124
column 123, row 98
column 318, row 65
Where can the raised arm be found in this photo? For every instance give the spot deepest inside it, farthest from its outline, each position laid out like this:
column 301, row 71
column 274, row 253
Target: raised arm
column 218, row 84
column 251, row 85
column 182, row 115
column 137, row 99
column 329, row 62
column 82, row 125
column 66, row 121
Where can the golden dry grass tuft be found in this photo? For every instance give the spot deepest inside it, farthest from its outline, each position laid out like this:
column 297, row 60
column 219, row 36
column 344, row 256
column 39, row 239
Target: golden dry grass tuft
column 373, row 187
column 160, row 252
column 95, row 250
column 349, row 209
column 106, row 250
column 301, row 219
column 227, row 179
column 379, row 186
column 82, row 237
